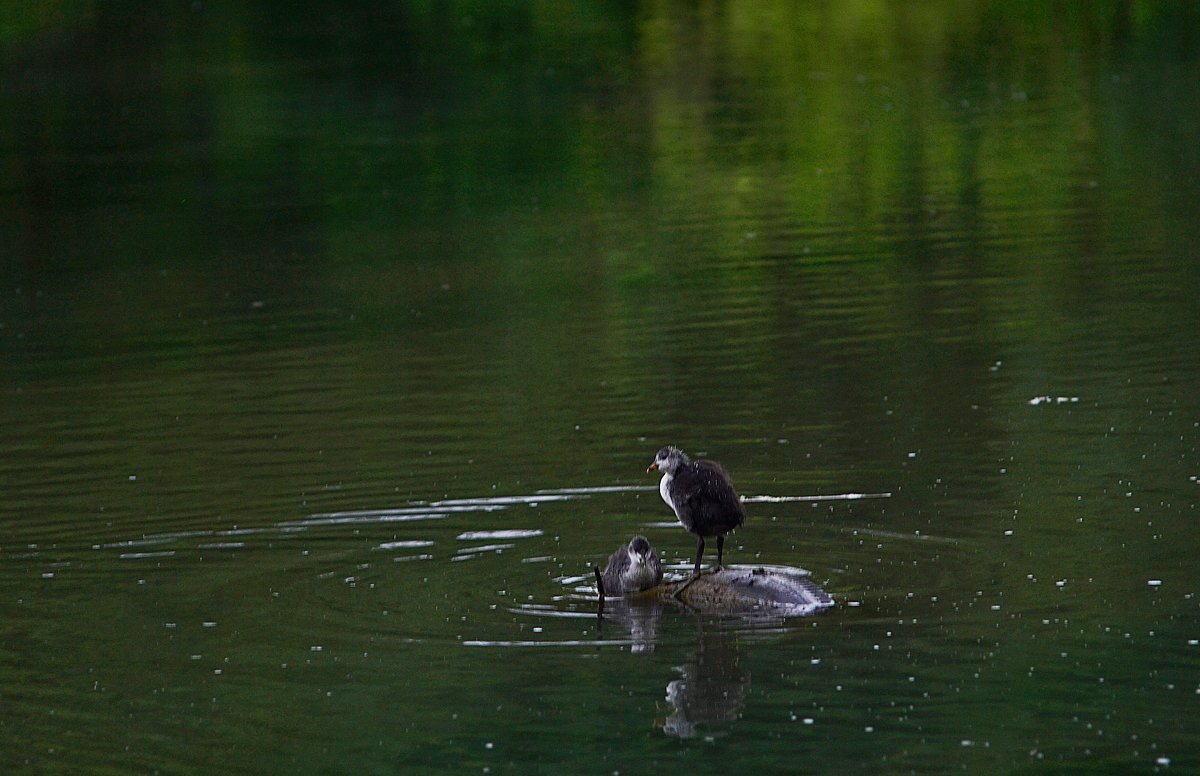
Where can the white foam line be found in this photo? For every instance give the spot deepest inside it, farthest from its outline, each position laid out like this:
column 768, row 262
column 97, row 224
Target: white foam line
column 519, row 533
column 403, row 558
column 406, row 544
column 897, row 535
column 551, row 612
column 831, row 497
column 599, row 489
column 360, row 519
column 495, row 501
column 140, row 555
column 419, row 510
column 245, row 531
column 596, row 643
column 173, row 535
column 486, row 548
column 145, row 541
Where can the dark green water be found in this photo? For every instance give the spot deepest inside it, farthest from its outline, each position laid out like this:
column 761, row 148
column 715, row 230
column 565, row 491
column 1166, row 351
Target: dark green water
column 334, row 345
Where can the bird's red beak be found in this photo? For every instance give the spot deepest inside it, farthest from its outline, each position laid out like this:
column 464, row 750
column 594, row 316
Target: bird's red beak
column 652, row 467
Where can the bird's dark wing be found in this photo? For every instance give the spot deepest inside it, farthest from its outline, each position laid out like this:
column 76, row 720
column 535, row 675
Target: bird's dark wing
column 708, row 496
column 655, row 566
column 617, row 563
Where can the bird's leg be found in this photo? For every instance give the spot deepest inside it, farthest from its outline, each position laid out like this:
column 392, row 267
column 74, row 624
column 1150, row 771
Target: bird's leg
column 699, row 553
column 720, row 548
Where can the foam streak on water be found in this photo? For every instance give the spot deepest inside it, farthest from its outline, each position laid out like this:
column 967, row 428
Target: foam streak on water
column 831, row 497
column 516, row 533
column 569, row 643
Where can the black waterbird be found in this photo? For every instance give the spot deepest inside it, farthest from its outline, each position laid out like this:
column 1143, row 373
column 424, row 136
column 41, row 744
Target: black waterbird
column 701, row 495
column 632, row 568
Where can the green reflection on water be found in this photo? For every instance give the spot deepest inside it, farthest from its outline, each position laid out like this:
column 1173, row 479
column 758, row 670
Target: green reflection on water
column 263, row 264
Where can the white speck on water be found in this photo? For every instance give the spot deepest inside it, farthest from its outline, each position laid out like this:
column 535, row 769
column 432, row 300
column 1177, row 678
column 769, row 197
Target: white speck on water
column 209, row 623
column 869, row 729
column 133, row 478
column 967, row 742
column 1163, row 761
column 1061, row 583
column 808, row 720
column 488, row 745
column 1153, row 582
column 316, row 648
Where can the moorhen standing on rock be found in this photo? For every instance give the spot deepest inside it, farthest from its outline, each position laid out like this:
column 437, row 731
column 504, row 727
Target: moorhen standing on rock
column 701, row 495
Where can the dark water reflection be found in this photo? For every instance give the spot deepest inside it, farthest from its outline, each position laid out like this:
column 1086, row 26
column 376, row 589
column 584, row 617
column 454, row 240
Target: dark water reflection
column 333, row 344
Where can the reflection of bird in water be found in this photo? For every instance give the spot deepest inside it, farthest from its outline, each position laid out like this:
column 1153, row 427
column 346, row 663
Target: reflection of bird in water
column 701, row 495
column 712, row 687
column 640, row 616
column 632, row 568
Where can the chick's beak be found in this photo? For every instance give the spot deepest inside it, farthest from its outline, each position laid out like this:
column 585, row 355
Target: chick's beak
column 652, row 467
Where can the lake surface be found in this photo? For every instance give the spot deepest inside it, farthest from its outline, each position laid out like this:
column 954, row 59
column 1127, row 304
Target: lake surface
column 334, row 345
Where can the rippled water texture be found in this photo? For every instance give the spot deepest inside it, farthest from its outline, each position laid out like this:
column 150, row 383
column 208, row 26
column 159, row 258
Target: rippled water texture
column 334, row 344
